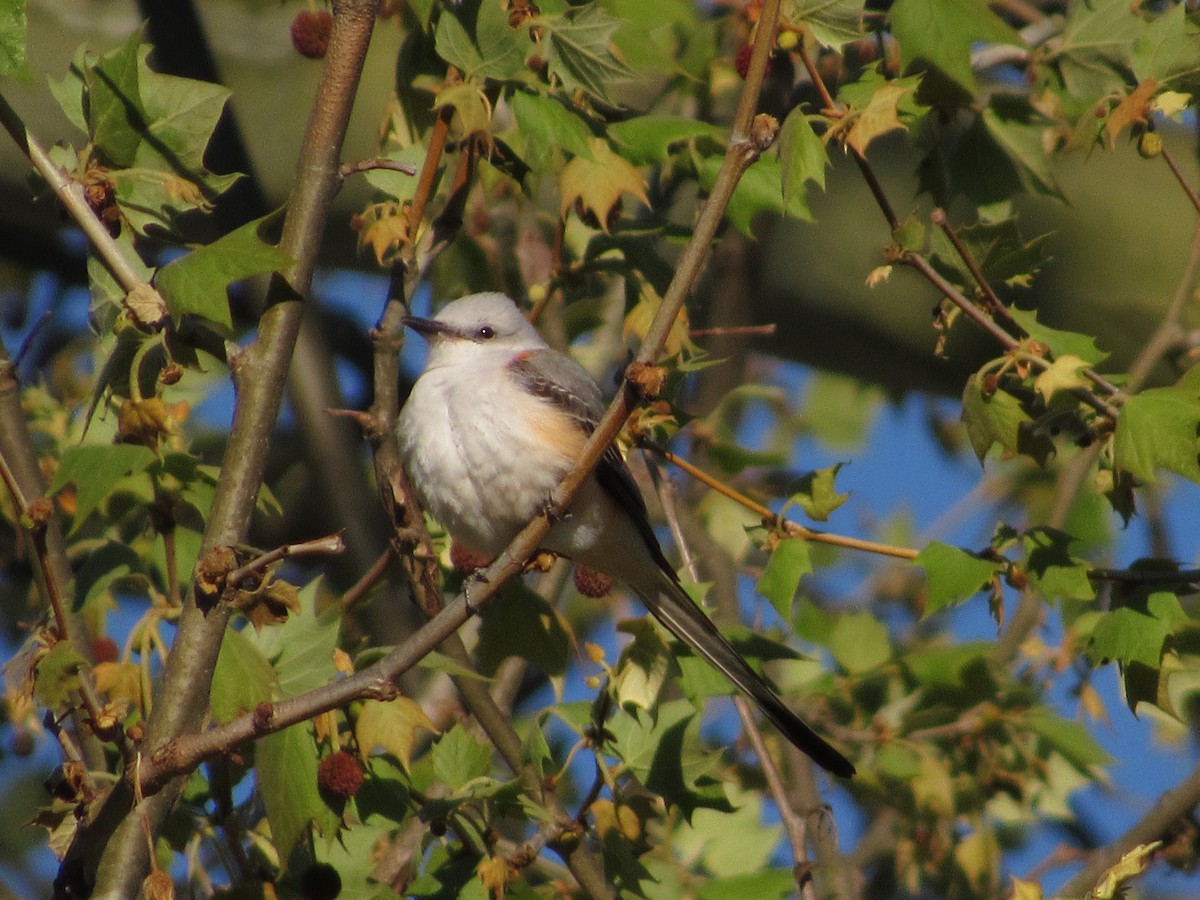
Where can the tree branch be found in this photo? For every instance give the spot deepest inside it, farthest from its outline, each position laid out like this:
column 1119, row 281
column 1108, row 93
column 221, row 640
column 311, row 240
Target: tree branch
column 121, row 861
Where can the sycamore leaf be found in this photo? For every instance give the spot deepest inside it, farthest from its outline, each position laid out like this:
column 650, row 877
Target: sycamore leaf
column 790, row 561
column 952, row 575
column 832, row 23
column 56, row 676
column 197, row 283
column 242, row 679
column 651, row 139
column 1157, row 429
column 1168, row 50
column 580, row 52
column 459, row 758
column 544, row 123
column 1129, row 866
column 860, row 642
column 390, row 726
column 814, row 492
column 595, row 186
column 802, row 156
column 96, row 471
column 120, row 681
column 997, row 418
column 1064, row 374
column 642, row 670
column 12, row 37
column 881, row 115
column 472, row 111
column 940, row 33
column 1052, row 570
column 285, row 764
column 1134, row 109
column 1061, row 343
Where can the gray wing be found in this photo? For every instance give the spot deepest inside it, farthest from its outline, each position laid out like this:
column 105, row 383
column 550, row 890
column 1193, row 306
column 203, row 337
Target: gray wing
column 559, row 380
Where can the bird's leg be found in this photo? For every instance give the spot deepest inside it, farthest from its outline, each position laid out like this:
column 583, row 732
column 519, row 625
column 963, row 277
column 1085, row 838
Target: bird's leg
column 552, row 511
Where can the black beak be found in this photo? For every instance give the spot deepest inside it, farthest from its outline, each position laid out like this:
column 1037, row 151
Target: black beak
column 429, row 328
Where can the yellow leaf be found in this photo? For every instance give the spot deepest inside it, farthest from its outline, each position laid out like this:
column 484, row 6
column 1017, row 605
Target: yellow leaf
column 1026, row 890
column 1129, row 866
column 472, row 112
column 1172, row 104
column 1064, row 373
column 390, row 726
column 385, row 231
column 120, row 681
column 595, row 186
column 880, row 117
column 496, row 873
column 637, row 323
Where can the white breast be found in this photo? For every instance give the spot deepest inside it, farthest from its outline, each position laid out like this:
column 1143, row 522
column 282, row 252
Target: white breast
column 478, row 467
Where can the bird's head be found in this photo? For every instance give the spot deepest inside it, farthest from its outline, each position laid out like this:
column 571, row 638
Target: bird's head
column 477, row 326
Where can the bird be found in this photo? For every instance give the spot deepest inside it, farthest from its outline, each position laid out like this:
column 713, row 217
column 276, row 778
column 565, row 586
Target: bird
column 494, row 422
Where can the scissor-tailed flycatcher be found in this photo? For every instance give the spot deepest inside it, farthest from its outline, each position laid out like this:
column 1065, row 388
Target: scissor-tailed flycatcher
column 492, row 426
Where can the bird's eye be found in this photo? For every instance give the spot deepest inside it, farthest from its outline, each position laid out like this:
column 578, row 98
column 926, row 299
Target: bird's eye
column 485, row 333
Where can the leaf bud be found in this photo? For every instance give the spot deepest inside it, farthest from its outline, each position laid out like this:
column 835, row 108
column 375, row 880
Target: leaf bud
column 1150, row 145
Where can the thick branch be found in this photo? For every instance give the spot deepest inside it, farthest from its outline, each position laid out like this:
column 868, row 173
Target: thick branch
column 259, row 374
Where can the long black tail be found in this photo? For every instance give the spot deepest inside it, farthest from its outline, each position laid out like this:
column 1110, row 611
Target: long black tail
column 684, row 619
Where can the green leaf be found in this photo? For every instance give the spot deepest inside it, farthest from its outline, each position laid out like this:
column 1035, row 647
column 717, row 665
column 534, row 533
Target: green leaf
column 453, row 44
column 952, row 575
column 242, row 679
column 579, row 50
column 1157, row 430
column 502, row 49
column 152, row 130
column 814, row 492
column 301, row 649
column 1053, row 571
column 832, row 23
column 840, row 409
column 859, row 642
column 652, row 139
column 285, row 766
column 1003, row 256
column 544, row 123
column 642, row 670
column 56, row 677
column 664, row 753
column 1168, row 50
column 1093, row 53
column 952, row 666
column 1061, row 343
column 198, row 282
column 1017, row 129
column 96, row 470
column 105, row 567
column 757, row 192
column 458, row 758
column 998, row 418
column 790, row 561
column 12, row 37
column 518, row 622
column 1070, row 739
column 1128, row 636
column 114, row 104
column 940, row 33
column 762, row 885
column 802, row 155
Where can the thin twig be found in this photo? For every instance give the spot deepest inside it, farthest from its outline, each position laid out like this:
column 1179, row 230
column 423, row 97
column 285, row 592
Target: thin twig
column 331, row 543
column 370, row 165
column 775, row 520
column 70, row 193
